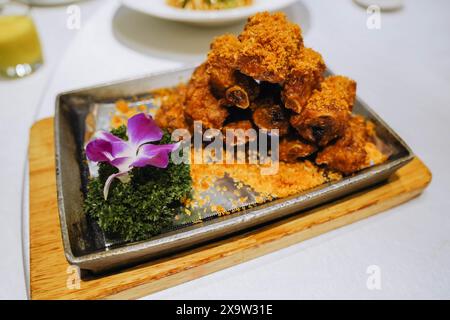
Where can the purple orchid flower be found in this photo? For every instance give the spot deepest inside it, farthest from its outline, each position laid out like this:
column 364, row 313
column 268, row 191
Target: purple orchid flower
column 136, row 152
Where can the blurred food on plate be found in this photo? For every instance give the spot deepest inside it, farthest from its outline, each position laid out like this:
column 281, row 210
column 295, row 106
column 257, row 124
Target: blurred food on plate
column 209, row 4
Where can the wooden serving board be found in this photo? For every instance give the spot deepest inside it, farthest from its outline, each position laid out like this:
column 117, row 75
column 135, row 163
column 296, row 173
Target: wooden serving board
column 51, row 277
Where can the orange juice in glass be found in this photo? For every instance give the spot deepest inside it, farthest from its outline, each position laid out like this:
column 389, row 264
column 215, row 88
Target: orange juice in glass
column 20, row 49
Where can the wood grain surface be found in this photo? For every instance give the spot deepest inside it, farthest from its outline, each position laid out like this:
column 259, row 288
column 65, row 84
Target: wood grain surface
column 51, row 277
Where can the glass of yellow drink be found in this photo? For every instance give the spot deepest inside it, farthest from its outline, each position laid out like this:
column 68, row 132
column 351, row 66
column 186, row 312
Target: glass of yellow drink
column 20, row 49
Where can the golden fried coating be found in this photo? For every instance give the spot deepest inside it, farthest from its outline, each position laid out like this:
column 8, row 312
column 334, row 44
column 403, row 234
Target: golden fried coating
column 170, row 115
column 267, row 79
column 221, row 63
column 268, row 43
column 239, row 125
column 342, row 87
column 269, row 115
column 199, row 78
column 201, row 104
column 305, row 76
column 242, row 124
column 348, row 154
column 227, row 82
column 325, row 117
column 293, row 149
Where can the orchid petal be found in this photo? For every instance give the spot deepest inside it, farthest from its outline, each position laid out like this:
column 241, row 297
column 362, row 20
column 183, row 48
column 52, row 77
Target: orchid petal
column 154, row 155
column 122, row 149
column 109, row 181
column 99, row 150
column 119, row 148
column 123, row 164
column 106, row 147
column 136, row 152
column 107, row 136
column 143, row 129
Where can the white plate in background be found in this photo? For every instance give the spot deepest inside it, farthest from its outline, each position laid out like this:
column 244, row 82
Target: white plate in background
column 160, row 9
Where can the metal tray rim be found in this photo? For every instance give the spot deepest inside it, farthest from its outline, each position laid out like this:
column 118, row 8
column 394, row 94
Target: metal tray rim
column 232, row 220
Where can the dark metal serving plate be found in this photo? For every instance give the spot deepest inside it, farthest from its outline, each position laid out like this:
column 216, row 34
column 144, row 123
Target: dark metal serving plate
column 84, row 243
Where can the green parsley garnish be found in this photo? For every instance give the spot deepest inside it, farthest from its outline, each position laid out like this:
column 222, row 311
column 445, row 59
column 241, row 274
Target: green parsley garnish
column 142, row 207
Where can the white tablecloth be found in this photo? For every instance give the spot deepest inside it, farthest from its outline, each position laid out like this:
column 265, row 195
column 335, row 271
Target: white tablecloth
column 403, row 72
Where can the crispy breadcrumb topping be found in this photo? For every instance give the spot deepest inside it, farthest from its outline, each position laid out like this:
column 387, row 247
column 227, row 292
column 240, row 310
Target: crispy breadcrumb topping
column 268, row 43
column 292, row 178
column 265, row 78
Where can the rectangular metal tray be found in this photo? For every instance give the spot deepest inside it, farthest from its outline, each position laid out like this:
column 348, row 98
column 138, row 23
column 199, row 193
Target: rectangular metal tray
column 83, row 244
